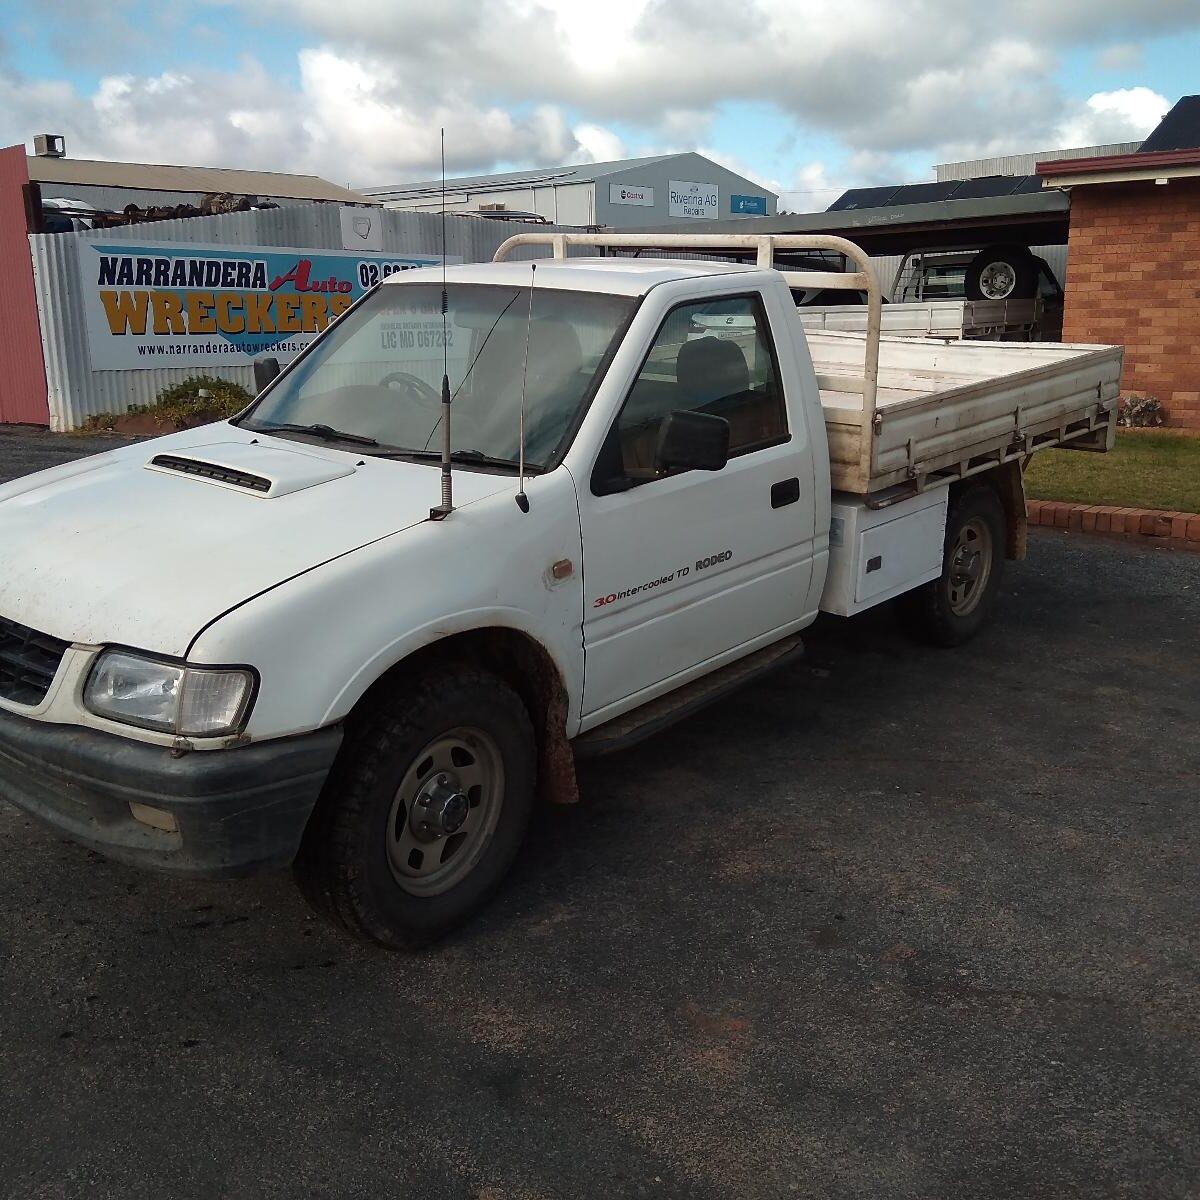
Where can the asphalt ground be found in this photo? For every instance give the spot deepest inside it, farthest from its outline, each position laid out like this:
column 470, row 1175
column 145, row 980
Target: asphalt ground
column 894, row 923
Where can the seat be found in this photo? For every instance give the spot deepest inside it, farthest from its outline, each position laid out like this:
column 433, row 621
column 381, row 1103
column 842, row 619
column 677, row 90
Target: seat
column 714, row 379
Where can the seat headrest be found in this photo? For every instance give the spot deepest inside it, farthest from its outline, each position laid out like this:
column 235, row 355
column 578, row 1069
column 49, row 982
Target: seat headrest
column 711, row 367
column 554, row 348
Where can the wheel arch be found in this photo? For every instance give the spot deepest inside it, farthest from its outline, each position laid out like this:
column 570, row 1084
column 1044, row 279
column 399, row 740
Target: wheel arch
column 516, row 657
column 1008, row 482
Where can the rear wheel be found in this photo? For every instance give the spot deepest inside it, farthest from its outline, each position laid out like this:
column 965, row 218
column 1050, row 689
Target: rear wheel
column 425, row 810
column 953, row 608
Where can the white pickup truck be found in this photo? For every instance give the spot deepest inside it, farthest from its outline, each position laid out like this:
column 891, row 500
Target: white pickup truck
column 486, row 521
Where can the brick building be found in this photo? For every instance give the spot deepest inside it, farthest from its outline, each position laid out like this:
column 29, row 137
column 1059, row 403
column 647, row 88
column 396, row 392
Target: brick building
column 1134, row 254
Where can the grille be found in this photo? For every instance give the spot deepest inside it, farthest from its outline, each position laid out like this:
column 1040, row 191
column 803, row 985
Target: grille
column 28, row 662
column 205, row 470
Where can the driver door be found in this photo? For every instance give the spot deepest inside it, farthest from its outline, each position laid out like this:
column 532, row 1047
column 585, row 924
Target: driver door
column 685, row 571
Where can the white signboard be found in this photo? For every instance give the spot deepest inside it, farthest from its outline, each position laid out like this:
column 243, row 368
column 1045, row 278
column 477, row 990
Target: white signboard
column 362, row 228
column 177, row 304
column 624, row 193
column 694, row 200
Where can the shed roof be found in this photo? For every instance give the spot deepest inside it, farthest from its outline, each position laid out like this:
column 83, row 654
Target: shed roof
column 153, row 177
column 539, row 176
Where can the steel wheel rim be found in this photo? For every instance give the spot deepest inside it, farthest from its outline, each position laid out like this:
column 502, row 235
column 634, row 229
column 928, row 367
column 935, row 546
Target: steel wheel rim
column 997, row 280
column 970, row 567
column 445, row 811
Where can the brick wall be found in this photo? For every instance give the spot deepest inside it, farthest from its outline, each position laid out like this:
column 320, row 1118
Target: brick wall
column 1134, row 280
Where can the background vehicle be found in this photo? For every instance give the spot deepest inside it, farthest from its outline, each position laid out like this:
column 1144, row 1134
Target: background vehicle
column 1008, row 279
column 635, row 511
column 63, row 215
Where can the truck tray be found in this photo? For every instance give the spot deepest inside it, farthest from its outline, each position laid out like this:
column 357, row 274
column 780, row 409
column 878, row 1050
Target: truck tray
column 947, row 410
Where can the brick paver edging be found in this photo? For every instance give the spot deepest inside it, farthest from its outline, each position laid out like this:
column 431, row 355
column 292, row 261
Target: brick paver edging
column 1180, row 530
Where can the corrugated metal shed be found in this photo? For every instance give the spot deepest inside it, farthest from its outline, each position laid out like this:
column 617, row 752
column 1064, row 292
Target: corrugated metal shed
column 619, row 194
column 22, row 380
column 150, row 177
column 1023, row 164
column 75, row 391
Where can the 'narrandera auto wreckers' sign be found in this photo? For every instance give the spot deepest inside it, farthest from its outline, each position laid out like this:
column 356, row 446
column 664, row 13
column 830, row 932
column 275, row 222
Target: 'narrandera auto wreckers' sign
column 177, row 305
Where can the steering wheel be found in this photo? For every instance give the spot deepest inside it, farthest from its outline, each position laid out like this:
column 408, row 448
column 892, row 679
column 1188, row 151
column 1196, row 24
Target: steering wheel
column 416, row 387
column 466, row 424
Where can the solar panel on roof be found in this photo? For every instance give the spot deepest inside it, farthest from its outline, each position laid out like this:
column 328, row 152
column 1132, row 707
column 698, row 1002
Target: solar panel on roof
column 924, row 193
column 1178, row 130
column 872, row 197
column 987, row 185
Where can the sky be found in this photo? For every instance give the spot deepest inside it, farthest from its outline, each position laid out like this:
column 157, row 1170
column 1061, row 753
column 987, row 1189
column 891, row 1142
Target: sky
column 807, row 97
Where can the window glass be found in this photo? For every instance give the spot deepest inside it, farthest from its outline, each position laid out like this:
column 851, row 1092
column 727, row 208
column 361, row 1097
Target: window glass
column 713, row 357
column 377, row 373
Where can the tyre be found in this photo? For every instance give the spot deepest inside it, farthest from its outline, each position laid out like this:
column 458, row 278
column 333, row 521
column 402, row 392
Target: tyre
column 954, row 608
column 425, row 809
column 1001, row 273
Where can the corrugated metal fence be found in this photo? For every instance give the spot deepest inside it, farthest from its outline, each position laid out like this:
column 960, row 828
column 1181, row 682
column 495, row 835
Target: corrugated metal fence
column 75, row 391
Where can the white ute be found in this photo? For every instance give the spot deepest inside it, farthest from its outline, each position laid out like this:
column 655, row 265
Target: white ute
column 296, row 637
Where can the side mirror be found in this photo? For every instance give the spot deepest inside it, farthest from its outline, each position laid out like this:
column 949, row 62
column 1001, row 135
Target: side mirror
column 692, row 441
column 265, row 370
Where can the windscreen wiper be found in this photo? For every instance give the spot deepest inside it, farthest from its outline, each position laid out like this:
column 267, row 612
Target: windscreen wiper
column 473, row 457
column 326, row 433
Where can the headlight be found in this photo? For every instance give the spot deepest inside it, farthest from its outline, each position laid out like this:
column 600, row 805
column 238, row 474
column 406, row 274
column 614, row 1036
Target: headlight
column 192, row 701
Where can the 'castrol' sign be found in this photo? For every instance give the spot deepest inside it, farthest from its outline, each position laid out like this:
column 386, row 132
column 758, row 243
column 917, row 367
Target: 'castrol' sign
column 694, row 200
column 625, row 193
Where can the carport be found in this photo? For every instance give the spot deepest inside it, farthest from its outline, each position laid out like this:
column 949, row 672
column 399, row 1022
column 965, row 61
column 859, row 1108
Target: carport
column 1032, row 218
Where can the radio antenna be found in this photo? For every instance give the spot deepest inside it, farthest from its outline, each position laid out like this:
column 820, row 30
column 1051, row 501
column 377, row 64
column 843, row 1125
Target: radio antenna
column 446, row 507
column 522, row 499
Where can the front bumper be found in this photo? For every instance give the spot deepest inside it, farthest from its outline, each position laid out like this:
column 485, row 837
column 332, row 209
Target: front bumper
column 238, row 811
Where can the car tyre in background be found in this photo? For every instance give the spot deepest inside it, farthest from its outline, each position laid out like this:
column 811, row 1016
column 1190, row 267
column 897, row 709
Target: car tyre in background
column 1001, row 273
column 955, row 607
column 425, row 809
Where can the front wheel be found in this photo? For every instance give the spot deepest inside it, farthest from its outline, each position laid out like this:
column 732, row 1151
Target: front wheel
column 953, row 608
column 425, row 810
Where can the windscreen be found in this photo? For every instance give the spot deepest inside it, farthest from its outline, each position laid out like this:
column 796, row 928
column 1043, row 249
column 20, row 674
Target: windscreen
column 377, row 373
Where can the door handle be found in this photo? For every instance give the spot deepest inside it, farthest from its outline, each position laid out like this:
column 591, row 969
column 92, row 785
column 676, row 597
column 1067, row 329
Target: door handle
column 786, row 491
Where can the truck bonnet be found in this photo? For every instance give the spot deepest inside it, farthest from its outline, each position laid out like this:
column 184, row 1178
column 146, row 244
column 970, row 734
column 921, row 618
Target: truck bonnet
column 146, row 545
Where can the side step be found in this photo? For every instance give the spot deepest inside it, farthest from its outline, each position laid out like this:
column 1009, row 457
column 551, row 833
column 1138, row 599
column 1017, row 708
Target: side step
column 632, row 727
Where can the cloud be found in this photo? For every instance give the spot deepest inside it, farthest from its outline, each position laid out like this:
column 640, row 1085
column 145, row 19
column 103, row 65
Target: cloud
column 887, row 75
column 888, row 83
column 1120, row 56
column 1126, row 115
column 348, row 122
column 811, row 189
column 597, row 144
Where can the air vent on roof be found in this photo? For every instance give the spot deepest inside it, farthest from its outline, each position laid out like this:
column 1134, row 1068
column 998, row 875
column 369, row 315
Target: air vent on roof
column 207, row 470
column 49, row 145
